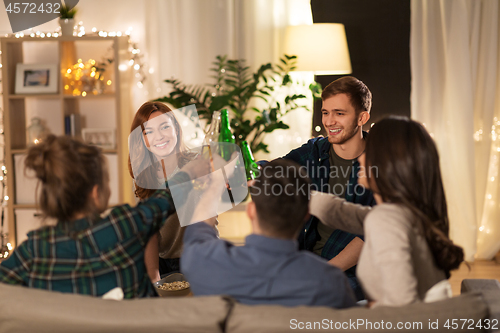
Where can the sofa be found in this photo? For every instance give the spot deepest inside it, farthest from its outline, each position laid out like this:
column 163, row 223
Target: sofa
column 32, row 310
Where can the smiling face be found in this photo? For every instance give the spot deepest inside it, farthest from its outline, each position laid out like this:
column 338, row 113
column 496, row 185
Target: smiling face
column 160, row 135
column 340, row 119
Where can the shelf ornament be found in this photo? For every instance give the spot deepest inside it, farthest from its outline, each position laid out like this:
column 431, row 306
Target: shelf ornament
column 85, row 78
column 67, row 20
column 35, row 131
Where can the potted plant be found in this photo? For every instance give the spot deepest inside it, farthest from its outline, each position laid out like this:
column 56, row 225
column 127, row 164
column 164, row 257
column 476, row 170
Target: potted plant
column 67, row 20
column 253, row 98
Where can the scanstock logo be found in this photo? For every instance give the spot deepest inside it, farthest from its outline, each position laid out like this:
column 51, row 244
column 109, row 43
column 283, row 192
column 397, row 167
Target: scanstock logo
column 27, row 14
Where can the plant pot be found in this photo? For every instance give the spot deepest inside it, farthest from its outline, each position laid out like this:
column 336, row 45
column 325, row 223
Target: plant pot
column 67, row 26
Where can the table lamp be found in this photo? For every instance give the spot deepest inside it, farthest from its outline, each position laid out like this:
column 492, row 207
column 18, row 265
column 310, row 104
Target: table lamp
column 320, row 48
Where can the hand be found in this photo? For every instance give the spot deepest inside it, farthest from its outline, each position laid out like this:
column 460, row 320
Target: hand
column 229, row 167
column 212, row 221
column 156, row 278
column 215, row 184
column 198, row 167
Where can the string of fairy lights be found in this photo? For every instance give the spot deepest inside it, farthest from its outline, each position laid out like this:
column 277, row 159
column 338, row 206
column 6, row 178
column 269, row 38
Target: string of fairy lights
column 5, row 246
column 136, row 61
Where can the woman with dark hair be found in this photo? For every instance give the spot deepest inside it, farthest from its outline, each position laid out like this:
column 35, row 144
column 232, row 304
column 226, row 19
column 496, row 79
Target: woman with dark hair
column 157, row 152
column 407, row 256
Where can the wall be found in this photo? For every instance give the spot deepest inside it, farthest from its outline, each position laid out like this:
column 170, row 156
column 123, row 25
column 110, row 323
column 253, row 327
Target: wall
column 378, row 35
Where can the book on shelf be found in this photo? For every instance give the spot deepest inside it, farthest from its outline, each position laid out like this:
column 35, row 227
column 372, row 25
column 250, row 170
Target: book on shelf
column 72, row 125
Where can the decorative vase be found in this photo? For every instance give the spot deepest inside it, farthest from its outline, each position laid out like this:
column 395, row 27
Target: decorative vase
column 67, row 26
column 35, row 131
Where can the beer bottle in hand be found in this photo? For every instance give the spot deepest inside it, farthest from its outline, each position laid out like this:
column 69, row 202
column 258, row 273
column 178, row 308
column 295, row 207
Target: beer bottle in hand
column 226, row 137
column 252, row 169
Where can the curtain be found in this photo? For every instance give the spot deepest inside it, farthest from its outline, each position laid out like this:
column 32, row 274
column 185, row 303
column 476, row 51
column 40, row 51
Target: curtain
column 455, row 68
column 183, row 37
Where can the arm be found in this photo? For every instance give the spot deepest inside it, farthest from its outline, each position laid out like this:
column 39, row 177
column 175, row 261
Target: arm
column 15, row 269
column 204, row 259
column 206, row 207
column 338, row 213
column 155, row 210
column 144, row 220
column 388, row 234
column 202, row 247
column 349, row 256
column 299, row 154
column 177, row 189
column 151, row 255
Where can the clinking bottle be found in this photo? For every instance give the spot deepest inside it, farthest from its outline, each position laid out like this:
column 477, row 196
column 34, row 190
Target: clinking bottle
column 214, row 130
column 226, row 136
column 252, row 169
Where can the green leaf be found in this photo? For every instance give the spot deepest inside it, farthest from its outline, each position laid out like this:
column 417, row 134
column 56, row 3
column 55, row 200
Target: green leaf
column 297, row 96
column 286, row 80
column 272, row 127
column 316, row 90
column 219, row 102
column 260, row 146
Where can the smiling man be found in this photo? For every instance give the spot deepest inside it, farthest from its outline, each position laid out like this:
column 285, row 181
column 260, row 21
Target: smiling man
column 332, row 166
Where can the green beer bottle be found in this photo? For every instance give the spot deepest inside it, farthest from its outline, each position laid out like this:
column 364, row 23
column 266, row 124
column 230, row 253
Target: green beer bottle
column 252, row 169
column 226, row 136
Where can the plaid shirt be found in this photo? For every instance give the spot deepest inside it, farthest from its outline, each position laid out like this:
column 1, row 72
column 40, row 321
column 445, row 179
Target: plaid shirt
column 315, row 156
column 85, row 257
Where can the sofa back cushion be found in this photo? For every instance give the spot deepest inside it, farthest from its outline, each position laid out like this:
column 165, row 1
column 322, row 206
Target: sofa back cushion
column 33, row 310
column 413, row 318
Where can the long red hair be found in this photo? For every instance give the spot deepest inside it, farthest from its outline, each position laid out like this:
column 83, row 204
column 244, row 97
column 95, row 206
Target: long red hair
column 142, row 158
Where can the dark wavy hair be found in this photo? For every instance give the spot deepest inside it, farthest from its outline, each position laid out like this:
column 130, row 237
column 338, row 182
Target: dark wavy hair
column 409, row 174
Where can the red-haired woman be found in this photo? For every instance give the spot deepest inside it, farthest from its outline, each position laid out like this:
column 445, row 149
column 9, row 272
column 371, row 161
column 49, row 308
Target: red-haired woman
column 157, row 152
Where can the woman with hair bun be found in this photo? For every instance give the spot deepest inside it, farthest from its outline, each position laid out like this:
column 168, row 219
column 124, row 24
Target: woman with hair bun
column 407, row 255
column 85, row 253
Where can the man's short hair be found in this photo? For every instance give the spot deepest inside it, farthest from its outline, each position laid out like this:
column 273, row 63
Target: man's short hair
column 358, row 92
column 281, row 197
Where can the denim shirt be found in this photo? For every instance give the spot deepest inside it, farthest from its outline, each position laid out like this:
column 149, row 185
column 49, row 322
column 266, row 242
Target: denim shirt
column 314, row 155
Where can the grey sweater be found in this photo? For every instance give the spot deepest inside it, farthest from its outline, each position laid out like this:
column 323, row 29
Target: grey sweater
column 396, row 266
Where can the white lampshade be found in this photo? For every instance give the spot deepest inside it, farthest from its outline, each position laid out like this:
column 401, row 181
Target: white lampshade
column 320, row 48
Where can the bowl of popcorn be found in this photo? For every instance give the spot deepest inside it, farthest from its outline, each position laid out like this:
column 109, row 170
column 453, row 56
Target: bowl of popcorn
column 173, row 285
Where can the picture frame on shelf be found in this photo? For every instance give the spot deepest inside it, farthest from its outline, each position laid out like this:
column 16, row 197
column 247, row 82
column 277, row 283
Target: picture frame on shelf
column 36, row 78
column 101, row 137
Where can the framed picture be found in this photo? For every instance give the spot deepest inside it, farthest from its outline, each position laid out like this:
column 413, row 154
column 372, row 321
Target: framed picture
column 37, row 78
column 101, row 137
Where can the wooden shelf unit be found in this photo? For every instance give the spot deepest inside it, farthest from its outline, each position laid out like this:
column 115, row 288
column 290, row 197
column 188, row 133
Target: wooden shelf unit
column 52, row 108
